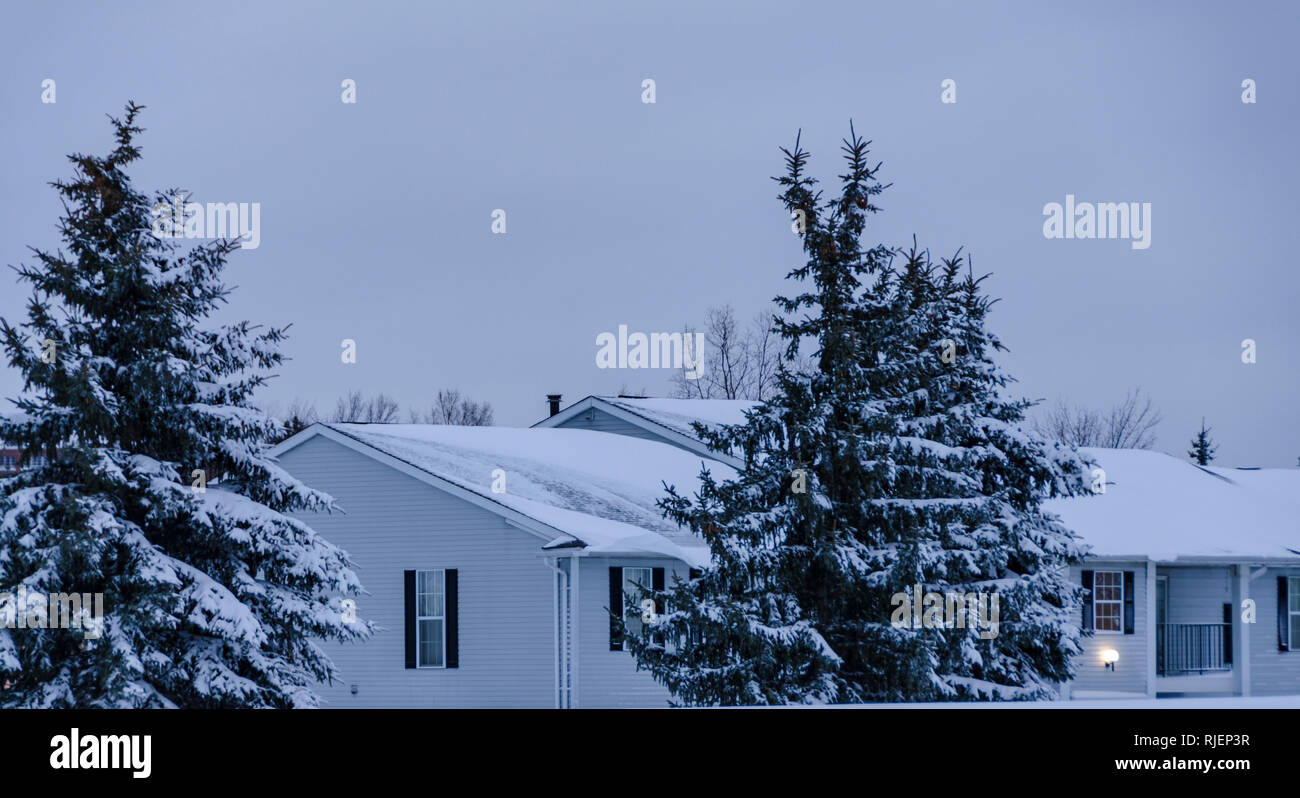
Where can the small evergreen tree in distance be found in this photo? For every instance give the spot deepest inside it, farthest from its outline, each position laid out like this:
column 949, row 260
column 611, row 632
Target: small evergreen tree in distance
column 1203, row 447
column 914, row 470
column 213, row 595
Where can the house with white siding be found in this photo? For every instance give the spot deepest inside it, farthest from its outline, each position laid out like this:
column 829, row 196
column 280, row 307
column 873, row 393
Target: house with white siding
column 492, row 557
column 1194, row 578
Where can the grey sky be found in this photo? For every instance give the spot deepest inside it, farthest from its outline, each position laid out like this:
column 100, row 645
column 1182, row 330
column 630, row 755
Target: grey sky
column 375, row 221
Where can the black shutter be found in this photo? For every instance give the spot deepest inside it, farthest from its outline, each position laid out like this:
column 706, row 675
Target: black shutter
column 615, row 609
column 1282, row 616
column 1227, row 633
column 1129, row 603
column 449, row 586
column 694, row 573
column 657, row 582
column 1087, row 601
column 408, row 593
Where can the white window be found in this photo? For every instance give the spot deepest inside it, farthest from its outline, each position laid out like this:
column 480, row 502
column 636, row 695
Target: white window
column 1108, row 601
column 430, row 619
column 1293, row 610
column 635, row 580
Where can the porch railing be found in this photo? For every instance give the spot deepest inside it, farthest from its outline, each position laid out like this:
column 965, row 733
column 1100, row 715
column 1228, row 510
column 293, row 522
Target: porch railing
column 1184, row 648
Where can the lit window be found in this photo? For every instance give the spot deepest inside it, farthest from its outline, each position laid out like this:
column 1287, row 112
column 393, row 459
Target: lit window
column 1108, row 601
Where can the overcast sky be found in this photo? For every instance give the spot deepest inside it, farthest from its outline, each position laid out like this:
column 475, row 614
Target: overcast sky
column 376, row 215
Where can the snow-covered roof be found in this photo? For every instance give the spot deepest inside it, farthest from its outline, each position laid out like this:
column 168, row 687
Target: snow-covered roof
column 597, row 489
column 678, row 415
column 1160, row 507
column 669, row 419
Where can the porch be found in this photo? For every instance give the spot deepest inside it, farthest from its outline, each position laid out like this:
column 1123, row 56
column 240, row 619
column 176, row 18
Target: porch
column 1194, row 630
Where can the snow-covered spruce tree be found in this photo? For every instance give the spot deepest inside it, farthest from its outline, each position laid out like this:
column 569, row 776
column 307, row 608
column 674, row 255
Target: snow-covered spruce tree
column 212, row 596
column 1202, row 451
column 895, row 463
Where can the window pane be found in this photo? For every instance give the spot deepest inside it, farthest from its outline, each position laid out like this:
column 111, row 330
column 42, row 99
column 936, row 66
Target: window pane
column 429, row 581
column 634, row 577
column 635, row 580
column 1295, row 594
column 430, row 643
column 1295, row 633
column 429, row 593
column 1108, row 617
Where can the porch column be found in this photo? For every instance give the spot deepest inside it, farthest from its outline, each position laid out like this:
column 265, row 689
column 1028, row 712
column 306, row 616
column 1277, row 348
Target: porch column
column 1241, row 640
column 1151, row 629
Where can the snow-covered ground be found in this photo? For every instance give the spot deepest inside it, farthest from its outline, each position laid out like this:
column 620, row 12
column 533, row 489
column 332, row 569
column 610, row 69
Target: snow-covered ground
column 1224, row 702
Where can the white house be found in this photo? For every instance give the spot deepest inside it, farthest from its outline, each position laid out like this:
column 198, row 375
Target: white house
column 493, row 554
column 1194, row 578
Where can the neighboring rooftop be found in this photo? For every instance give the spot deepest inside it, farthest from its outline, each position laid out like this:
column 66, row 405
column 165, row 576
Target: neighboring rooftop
column 600, row 489
column 596, row 488
column 1163, row 508
column 678, row 415
column 670, row 420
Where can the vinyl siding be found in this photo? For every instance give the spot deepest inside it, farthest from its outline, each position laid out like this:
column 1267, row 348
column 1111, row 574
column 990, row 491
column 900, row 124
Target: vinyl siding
column 601, row 421
column 1130, row 674
column 1272, row 672
column 1197, row 595
column 607, row 678
column 394, row 522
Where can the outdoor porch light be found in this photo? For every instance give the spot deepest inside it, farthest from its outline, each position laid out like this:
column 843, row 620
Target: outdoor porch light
column 1110, row 656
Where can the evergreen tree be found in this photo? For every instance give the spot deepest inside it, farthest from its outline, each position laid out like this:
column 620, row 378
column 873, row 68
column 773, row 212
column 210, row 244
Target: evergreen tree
column 212, row 595
column 1202, row 450
column 895, row 463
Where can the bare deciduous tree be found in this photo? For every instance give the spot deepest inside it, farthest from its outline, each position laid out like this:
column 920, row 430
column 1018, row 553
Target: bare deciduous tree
column 355, row 408
column 738, row 363
column 1072, row 425
column 765, row 352
column 303, row 411
column 1129, row 424
column 449, row 407
column 298, row 416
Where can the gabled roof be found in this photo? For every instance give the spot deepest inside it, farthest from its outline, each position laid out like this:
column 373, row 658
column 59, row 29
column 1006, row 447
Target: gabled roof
column 1165, row 509
column 598, row 490
column 670, row 419
column 571, row 487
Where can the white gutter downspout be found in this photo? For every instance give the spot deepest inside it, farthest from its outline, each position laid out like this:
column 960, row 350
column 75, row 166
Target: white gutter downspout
column 1153, row 678
column 575, row 611
column 1241, row 641
column 560, row 636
